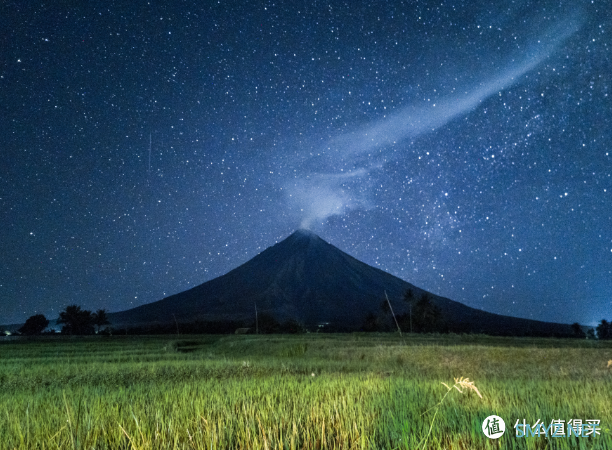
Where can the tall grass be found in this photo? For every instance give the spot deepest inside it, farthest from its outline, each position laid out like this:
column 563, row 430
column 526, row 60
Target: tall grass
column 296, row 392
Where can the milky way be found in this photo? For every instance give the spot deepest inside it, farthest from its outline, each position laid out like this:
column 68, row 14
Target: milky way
column 464, row 147
column 322, row 195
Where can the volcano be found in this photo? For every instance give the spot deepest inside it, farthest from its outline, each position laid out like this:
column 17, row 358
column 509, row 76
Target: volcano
column 309, row 280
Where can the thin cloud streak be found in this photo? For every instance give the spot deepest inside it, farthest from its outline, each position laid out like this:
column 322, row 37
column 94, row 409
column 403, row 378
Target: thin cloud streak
column 319, row 196
column 413, row 121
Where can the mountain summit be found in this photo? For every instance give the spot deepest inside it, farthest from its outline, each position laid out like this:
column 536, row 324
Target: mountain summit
column 307, row 279
column 302, row 278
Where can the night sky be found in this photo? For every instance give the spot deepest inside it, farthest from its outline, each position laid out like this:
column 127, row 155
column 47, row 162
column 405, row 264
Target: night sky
column 465, row 147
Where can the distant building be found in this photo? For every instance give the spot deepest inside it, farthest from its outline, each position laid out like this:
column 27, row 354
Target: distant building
column 322, row 326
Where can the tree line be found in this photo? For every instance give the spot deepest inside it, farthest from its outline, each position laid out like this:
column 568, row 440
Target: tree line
column 603, row 331
column 424, row 316
column 75, row 321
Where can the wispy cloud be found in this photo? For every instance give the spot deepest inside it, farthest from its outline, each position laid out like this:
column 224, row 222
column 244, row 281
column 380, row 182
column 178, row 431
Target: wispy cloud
column 320, row 195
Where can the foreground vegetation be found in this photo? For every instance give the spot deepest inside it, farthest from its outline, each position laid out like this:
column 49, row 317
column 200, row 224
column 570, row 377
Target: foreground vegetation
column 310, row 391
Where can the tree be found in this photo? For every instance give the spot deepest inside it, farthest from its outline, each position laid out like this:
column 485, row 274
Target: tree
column 384, row 307
column 408, row 296
column 383, row 319
column 34, row 325
column 578, row 331
column 76, row 320
column 590, row 334
column 99, row 319
column 426, row 314
column 604, row 330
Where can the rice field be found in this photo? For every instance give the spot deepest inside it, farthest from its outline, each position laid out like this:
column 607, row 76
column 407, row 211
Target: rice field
column 309, row 391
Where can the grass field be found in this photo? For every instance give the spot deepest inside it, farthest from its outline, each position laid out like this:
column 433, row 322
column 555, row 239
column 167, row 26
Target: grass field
column 312, row 391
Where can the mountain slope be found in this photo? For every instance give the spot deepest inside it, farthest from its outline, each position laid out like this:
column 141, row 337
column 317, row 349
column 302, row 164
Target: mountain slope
column 307, row 279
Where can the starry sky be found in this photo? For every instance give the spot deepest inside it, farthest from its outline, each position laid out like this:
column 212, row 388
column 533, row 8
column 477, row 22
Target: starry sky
column 463, row 146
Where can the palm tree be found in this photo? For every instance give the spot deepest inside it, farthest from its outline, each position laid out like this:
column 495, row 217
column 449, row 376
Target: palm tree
column 577, row 331
column 604, row 330
column 426, row 313
column 100, row 319
column 76, row 320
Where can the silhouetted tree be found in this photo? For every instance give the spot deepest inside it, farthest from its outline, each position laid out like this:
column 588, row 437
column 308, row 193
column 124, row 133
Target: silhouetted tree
column 34, row 325
column 76, row 320
column 590, row 334
column 384, row 307
column 99, row 318
column 578, row 331
column 384, row 320
column 425, row 314
column 408, row 296
column 604, row 330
